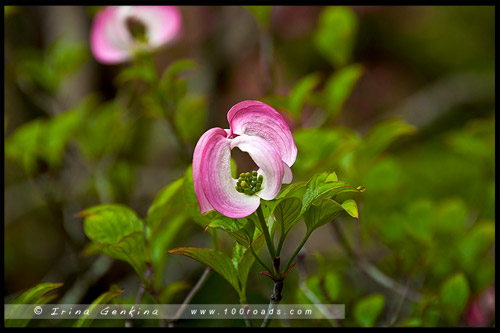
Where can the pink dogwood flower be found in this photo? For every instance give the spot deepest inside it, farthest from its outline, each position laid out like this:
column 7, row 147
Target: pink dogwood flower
column 112, row 41
column 259, row 130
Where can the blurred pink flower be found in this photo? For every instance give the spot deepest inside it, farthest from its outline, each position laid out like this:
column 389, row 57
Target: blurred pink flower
column 111, row 40
column 481, row 311
column 259, row 130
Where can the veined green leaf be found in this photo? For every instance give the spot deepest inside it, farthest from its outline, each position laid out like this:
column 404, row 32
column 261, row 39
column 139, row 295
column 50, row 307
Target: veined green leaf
column 166, row 200
column 105, row 298
column 294, row 189
column 213, row 259
column 242, row 231
column 367, row 310
column 118, row 232
column 287, row 213
column 323, row 211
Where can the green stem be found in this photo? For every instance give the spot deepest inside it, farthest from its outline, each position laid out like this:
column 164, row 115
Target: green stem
column 245, row 307
column 297, row 250
column 258, row 259
column 267, row 236
column 274, row 300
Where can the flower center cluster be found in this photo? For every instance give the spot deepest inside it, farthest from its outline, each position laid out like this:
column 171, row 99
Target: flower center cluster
column 249, row 183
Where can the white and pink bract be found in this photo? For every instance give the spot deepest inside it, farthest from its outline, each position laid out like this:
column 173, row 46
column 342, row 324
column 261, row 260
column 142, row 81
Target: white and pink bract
column 112, row 42
column 259, row 130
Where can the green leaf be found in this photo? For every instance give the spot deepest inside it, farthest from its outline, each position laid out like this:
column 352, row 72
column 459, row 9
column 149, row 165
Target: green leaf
column 48, row 69
column 338, row 88
column 242, row 231
column 333, row 285
column 454, row 295
column 336, row 34
column 244, row 259
column 22, row 145
column 327, row 190
column 67, row 56
column 190, row 117
column 420, row 219
column 321, row 212
column 118, row 232
column 287, row 212
column 451, row 216
column 106, row 130
column 475, row 243
column 380, row 136
column 164, row 203
column 299, row 94
column 33, row 295
column 57, row 133
column 168, row 293
column 367, row 310
column 213, row 259
column 175, row 69
column 162, row 239
column 333, row 148
column 141, row 73
column 105, row 298
column 262, row 15
column 351, row 208
column 293, row 190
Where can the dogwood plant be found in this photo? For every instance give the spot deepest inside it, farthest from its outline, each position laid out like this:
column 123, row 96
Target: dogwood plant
column 251, row 207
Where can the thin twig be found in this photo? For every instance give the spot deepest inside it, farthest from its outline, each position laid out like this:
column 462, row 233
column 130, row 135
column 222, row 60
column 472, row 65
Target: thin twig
column 189, row 297
column 372, row 271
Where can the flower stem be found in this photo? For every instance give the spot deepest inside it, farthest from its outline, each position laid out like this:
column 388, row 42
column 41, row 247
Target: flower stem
column 274, row 300
column 267, row 236
column 258, row 259
column 245, row 308
column 297, row 250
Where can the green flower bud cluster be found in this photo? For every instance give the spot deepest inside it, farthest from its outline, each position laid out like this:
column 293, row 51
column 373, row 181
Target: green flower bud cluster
column 249, row 183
